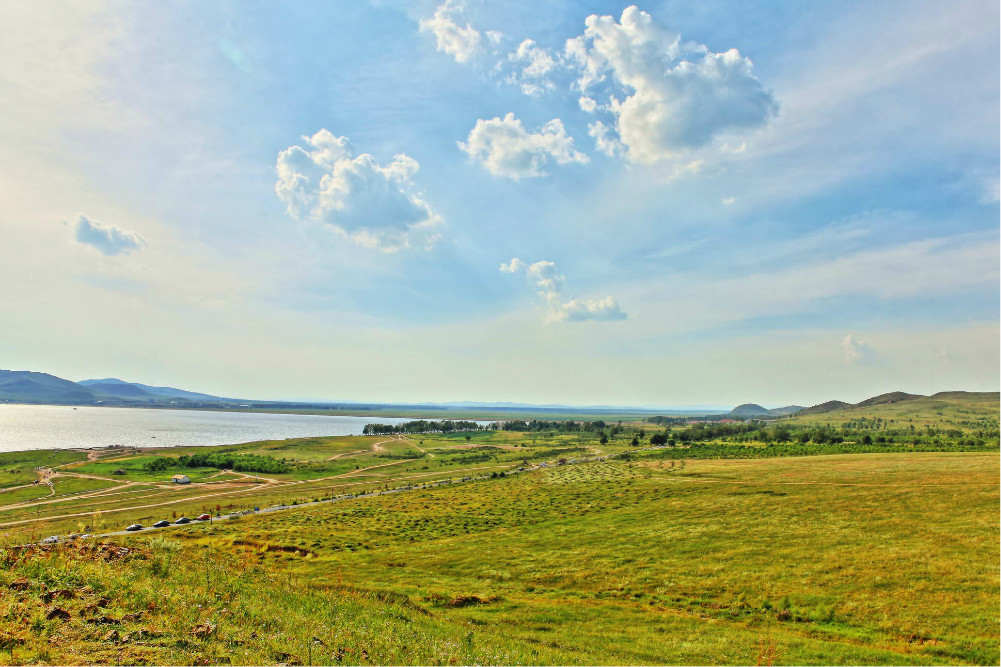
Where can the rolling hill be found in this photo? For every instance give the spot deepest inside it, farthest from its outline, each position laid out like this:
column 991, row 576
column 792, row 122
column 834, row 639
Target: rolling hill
column 947, row 409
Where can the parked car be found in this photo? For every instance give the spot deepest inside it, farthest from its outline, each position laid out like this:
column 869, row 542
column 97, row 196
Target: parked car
column 203, row 517
column 51, row 539
column 134, row 527
column 183, row 520
column 161, row 524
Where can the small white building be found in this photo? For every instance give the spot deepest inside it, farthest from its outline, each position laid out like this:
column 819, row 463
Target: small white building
column 180, row 479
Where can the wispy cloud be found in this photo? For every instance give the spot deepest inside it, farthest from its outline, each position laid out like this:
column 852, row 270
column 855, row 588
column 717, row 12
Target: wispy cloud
column 107, row 239
column 855, row 351
column 919, row 268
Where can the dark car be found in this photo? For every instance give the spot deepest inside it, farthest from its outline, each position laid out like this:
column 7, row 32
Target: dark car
column 135, row 527
column 161, row 524
column 203, row 517
column 183, row 520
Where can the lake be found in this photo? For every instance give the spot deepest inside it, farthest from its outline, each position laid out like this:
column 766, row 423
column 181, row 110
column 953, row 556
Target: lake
column 66, row 427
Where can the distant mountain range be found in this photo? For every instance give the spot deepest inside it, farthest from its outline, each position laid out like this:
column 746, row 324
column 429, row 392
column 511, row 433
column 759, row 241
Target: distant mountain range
column 120, row 388
column 32, row 387
column 755, row 410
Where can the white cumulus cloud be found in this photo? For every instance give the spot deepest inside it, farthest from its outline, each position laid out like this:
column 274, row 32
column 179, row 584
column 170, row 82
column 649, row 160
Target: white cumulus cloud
column 505, row 148
column 107, row 239
column 377, row 206
column 550, row 284
column 677, row 96
column 536, row 64
column 463, row 43
column 513, row 266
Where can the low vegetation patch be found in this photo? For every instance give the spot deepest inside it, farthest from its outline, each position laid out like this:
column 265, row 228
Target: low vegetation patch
column 220, row 460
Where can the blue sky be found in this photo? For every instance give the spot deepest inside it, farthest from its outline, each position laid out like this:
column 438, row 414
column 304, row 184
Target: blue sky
column 709, row 203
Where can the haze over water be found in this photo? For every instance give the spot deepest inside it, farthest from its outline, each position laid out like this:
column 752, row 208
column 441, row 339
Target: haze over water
column 65, row 427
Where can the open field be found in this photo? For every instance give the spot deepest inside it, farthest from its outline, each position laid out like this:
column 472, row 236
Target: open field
column 889, row 559
column 105, row 490
column 856, row 542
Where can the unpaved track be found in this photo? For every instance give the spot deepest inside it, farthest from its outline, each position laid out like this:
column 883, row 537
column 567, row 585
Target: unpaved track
column 271, row 484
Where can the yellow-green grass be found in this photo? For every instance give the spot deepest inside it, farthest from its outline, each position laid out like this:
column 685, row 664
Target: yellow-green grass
column 124, row 504
column 319, row 468
column 860, row 559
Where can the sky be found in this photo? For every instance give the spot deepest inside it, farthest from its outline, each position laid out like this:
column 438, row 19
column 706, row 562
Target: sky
column 670, row 204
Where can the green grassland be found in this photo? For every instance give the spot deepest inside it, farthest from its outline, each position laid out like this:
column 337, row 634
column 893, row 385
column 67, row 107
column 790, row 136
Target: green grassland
column 838, row 539
column 870, row 559
column 18, row 468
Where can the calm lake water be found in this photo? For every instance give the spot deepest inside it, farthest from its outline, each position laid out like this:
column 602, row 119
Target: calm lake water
column 63, row 427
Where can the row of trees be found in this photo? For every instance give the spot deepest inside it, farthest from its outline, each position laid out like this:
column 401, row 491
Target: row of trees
column 422, row 426
column 221, row 461
column 562, row 426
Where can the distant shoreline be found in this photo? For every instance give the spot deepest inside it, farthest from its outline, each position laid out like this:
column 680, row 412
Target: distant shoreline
column 398, row 411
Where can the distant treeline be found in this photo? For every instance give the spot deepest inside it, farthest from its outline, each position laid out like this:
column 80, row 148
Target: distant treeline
column 721, row 451
column 222, row 461
column 422, row 426
column 519, row 425
column 677, row 420
column 563, row 426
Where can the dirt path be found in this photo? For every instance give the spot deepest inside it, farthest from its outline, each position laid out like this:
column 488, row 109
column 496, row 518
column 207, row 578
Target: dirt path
column 418, row 447
column 132, row 509
column 140, row 507
column 377, row 447
column 337, row 456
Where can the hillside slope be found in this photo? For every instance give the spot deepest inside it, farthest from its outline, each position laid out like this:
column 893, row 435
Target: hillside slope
column 891, row 397
column 953, row 409
column 787, row 410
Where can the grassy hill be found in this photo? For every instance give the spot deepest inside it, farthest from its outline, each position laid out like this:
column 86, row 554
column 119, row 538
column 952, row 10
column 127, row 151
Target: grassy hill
column 891, row 397
column 949, row 410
